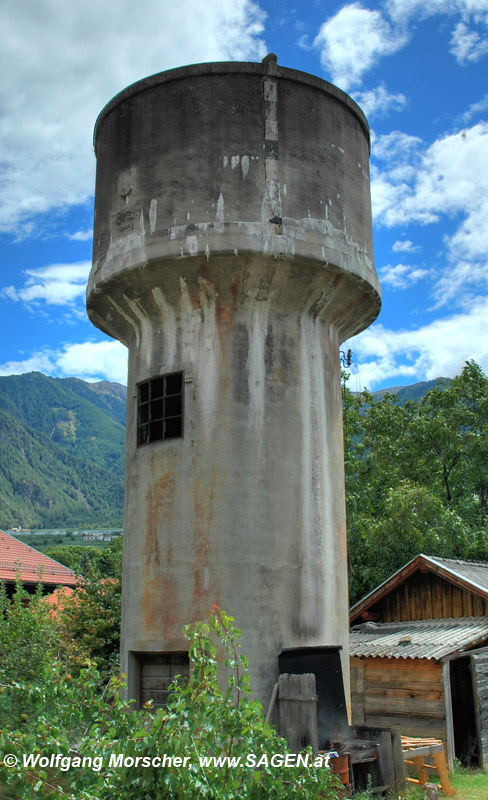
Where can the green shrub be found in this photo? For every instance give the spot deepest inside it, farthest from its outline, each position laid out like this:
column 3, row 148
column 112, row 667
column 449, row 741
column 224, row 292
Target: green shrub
column 68, row 717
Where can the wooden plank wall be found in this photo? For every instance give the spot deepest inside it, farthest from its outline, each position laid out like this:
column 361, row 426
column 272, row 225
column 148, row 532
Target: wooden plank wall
column 427, row 596
column 408, row 693
column 357, row 691
column 480, row 688
column 297, row 705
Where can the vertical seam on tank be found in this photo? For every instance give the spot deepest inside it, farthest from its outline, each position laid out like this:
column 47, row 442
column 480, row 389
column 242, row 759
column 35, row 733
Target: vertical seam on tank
column 271, row 152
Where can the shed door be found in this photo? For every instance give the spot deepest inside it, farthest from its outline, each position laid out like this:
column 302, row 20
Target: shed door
column 466, row 744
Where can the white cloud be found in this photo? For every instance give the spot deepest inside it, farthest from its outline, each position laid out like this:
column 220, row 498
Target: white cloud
column 449, row 179
column 467, row 44
column 395, row 147
column 461, row 283
column 391, row 185
column 404, row 10
column 353, row 41
column 378, row 102
column 471, row 238
column 304, row 42
column 91, row 361
column 401, row 276
column 38, row 362
column 81, row 236
column 405, row 246
column 56, row 284
column 469, row 41
column 454, row 171
column 391, row 194
column 474, row 109
column 110, row 358
column 65, row 60
column 439, row 348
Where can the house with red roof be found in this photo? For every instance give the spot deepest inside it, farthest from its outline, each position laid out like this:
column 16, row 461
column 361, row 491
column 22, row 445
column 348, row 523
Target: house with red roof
column 18, row 559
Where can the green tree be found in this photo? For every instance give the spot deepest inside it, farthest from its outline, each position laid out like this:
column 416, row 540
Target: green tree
column 454, row 432
column 29, row 643
column 413, row 521
column 416, row 477
column 78, row 557
column 91, row 616
column 74, row 556
column 206, row 716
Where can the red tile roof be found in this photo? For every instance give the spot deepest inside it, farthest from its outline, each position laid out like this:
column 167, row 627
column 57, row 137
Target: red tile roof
column 18, row 558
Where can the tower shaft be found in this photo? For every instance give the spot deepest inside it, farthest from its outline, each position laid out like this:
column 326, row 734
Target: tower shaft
column 233, row 255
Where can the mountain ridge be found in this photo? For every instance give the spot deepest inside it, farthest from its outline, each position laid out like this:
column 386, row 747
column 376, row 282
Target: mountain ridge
column 413, row 391
column 62, row 451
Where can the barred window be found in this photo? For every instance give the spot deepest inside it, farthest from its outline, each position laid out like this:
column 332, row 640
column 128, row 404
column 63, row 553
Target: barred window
column 156, row 672
column 160, row 409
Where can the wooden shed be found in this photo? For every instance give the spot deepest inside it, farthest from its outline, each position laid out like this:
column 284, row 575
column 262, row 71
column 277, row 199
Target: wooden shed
column 419, row 655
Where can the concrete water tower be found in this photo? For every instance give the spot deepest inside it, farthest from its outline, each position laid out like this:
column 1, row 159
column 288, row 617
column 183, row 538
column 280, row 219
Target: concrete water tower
column 232, row 255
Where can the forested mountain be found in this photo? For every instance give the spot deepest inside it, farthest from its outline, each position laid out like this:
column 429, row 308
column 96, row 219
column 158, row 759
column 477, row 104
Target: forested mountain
column 104, row 394
column 61, row 451
column 412, row 392
column 416, row 464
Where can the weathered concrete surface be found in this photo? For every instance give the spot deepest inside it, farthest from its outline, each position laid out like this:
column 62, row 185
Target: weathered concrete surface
column 233, row 241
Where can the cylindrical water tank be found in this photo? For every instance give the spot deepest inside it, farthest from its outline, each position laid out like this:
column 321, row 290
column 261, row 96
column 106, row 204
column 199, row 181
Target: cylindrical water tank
column 233, row 254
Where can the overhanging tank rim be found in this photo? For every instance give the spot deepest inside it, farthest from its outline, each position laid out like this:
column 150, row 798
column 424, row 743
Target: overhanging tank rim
column 370, row 287
column 228, row 68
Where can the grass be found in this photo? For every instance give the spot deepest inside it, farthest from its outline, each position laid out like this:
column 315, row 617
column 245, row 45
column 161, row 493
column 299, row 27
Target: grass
column 470, row 784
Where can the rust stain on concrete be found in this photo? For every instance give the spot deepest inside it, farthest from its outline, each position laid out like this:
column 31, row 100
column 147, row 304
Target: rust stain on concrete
column 159, row 510
column 278, row 375
column 224, row 319
column 203, row 501
column 159, row 586
column 204, row 272
column 233, row 289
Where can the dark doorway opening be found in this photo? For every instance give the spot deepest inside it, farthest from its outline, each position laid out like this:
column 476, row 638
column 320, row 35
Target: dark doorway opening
column 466, row 745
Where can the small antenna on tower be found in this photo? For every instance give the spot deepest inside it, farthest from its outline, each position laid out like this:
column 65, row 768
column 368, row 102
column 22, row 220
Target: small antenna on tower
column 345, row 358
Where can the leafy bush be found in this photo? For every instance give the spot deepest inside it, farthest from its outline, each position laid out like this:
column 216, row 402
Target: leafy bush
column 91, row 614
column 28, row 642
column 67, row 716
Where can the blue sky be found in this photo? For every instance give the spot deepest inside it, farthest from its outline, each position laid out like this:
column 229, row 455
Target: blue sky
column 419, row 70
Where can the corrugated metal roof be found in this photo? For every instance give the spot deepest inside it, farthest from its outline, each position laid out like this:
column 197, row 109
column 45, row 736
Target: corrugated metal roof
column 424, row 638
column 18, row 558
column 474, row 571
